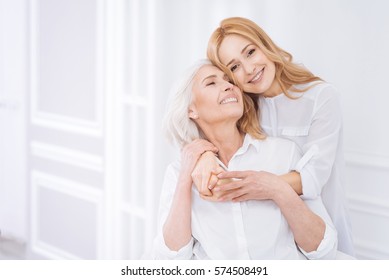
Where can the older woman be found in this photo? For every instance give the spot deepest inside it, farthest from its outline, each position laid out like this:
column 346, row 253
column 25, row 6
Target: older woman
column 207, row 106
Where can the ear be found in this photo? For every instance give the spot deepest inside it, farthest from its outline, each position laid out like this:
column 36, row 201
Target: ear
column 192, row 113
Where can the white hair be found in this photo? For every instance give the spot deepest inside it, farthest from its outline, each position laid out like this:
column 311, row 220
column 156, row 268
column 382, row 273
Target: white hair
column 179, row 128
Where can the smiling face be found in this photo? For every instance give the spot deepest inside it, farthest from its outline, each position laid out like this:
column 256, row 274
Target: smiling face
column 249, row 65
column 214, row 98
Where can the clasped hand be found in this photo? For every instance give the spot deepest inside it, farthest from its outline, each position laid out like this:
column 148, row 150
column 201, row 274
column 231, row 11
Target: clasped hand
column 215, row 184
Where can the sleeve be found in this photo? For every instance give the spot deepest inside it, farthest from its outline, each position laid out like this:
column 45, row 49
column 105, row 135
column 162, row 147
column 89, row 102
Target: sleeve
column 159, row 249
column 327, row 248
column 320, row 149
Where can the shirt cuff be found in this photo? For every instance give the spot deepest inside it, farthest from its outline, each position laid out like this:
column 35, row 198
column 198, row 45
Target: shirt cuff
column 309, row 184
column 308, row 155
column 327, row 248
column 308, row 181
column 164, row 253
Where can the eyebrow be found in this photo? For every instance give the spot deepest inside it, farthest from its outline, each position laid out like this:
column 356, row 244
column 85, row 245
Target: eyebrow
column 243, row 50
column 210, row 76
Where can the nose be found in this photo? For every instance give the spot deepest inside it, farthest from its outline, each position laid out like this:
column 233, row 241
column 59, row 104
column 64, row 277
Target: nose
column 228, row 86
column 249, row 68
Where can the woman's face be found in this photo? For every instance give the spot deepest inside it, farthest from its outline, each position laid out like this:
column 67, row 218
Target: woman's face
column 249, row 65
column 215, row 99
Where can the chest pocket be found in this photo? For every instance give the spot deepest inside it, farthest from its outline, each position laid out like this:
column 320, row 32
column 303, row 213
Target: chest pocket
column 295, row 131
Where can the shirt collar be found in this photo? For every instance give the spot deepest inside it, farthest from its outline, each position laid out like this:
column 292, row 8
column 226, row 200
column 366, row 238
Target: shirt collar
column 247, row 141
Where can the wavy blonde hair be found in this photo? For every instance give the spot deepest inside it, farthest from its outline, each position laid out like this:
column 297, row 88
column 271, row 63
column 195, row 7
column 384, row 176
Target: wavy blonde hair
column 181, row 130
column 287, row 74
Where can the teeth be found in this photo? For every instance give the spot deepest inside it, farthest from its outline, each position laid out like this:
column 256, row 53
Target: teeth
column 228, row 100
column 257, row 76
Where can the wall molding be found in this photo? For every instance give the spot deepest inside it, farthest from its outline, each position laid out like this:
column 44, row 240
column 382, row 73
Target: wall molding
column 67, row 156
column 65, row 186
column 365, row 159
column 367, row 251
column 368, row 205
column 51, row 120
column 51, row 252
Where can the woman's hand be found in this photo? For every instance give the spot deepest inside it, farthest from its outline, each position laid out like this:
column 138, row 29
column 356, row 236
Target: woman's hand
column 205, row 173
column 215, row 196
column 247, row 185
column 191, row 153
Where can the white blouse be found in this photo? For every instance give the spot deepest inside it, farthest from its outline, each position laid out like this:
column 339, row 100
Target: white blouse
column 314, row 122
column 243, row 230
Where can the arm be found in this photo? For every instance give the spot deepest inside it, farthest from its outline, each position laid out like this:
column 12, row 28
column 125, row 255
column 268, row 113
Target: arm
column 293, row 178
column 177, row 230
column 204, row 174
column 164, row 249
column 307, row 227
column 174, row 240
column 321, row 146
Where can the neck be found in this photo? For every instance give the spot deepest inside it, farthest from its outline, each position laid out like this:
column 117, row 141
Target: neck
column 274, row 90
column 227, row 139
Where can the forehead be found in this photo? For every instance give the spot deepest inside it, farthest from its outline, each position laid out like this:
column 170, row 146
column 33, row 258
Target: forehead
column 234, row 39
column 208, row 70
column 232, row 45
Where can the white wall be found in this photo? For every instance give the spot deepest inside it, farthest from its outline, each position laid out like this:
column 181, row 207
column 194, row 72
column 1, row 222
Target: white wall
column 13, row 111
column 96, row 75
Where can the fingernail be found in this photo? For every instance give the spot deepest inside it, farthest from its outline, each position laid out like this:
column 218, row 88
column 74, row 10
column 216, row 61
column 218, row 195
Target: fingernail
column 210, row 187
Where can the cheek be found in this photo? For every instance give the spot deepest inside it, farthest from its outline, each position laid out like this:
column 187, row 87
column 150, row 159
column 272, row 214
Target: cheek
column 204, row 106
column 239, row 76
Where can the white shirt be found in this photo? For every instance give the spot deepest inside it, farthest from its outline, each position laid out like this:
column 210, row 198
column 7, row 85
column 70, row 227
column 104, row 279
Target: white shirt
column 243, row 230
column 314, row 123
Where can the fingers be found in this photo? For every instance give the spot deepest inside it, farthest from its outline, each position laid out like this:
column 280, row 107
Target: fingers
column 233, row 174
column 232, row 195
column 209, row 198
column 204, row 190
column 241, row 198
column 212, row 182
column 228, row 185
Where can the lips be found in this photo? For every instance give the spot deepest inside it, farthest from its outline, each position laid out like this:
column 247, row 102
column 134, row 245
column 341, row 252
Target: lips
column 257, row 77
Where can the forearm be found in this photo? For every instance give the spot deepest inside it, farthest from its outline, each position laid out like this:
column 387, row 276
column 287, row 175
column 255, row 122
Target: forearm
column 293, row 178
column 307, row 227
column 177, row 230
column 203, row 176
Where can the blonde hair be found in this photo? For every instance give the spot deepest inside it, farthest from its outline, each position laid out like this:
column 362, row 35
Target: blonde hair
column 181, row 130
column 288, row 74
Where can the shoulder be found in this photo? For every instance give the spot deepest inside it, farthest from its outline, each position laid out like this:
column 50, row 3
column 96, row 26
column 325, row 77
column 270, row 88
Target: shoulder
column 174, row 167
column 171, row 178
column 323, row 95
column 320, row 90
column 324, row 91
column 172, row 171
